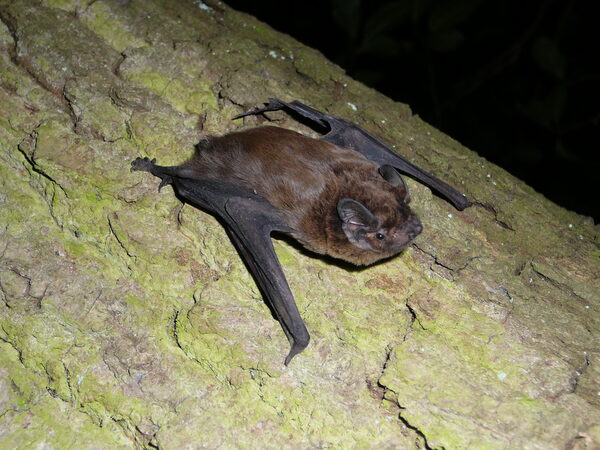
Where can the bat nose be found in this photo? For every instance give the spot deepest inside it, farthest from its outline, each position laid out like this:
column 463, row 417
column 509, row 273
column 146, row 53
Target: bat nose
column 415, row 228
column 418, row 228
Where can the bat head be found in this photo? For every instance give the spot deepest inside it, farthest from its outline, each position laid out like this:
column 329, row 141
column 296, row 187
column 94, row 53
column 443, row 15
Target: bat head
column 383, row 231
column 380, row 224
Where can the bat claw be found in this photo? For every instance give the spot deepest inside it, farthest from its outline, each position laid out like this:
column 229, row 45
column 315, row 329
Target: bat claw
column 273, row 105
column 165, row 181
column 297, row 347
column 142, row 164
column 149, row 165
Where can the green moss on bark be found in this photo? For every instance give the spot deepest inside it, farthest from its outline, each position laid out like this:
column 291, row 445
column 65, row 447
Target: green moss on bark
column 128, row 320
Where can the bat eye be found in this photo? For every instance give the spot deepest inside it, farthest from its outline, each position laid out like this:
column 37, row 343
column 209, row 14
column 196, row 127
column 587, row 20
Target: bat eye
column 380, row 236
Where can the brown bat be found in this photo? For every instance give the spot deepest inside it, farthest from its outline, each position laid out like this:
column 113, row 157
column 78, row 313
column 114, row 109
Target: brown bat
column 340, row 195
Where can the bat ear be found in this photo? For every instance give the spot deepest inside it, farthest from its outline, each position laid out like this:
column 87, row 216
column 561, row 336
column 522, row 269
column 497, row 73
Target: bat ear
column 392, row 176
column 356, row 215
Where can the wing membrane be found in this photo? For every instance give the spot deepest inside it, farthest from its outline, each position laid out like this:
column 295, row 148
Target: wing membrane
column 347, row 134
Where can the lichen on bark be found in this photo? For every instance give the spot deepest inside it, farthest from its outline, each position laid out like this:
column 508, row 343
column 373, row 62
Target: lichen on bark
column 128, row 320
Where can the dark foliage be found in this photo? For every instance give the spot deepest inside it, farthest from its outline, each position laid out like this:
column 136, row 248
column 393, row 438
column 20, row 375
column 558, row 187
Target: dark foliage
column 515, row 81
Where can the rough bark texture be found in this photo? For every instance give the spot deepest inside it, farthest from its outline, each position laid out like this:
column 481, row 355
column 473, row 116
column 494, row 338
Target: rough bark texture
column 128, row 320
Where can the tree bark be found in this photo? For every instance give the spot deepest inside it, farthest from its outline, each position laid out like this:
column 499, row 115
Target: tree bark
column 128, row 320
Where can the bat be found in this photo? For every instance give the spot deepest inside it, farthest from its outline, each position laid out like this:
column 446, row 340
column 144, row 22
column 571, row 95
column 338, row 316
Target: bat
column 340, row 195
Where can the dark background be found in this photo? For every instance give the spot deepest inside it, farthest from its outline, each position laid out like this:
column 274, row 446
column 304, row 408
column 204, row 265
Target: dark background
column 516, row 81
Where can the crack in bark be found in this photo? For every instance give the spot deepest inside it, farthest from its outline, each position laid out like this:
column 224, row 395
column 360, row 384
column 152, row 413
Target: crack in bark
column 4, row 296
column 31, row 166
column 27, row 294
column 414, row 319
column 382, row 392
column 388, row 354
column 13, row 345
column 78, row 126
column 68, row 380
column 174, row 331
column 114, row 233
column 491, row 209
column 60, row 93
column 205, row 364
column 9, row 410
column 418, row 431
column 254, row 370
column 53, row 392
column 574, row 379
column 126, row 424
column 453, row 271
column 9, row 22
column 147, row 439
column 436, row 261
column 23, row 63
column 116, row 70
column 30, row 158
column 394, row 399
column 557, row 284
column 75, row 118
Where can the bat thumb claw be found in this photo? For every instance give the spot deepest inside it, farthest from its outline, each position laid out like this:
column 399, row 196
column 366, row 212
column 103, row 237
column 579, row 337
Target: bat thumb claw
column 273, row 105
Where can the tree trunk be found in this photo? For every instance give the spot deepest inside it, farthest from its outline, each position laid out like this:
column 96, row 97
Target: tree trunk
column 127, row 319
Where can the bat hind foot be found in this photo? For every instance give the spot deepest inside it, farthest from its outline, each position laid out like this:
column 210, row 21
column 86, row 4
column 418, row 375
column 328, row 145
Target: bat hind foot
column 149, row 165
column 143, row 164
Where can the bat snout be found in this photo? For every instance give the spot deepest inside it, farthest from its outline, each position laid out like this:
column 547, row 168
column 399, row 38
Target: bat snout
column 414, row 228
column 407, row 232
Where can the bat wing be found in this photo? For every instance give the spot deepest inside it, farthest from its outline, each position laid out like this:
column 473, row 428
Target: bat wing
column 249, row 220
column 347, row 134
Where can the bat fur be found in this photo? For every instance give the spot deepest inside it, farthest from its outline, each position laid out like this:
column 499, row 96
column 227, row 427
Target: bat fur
column 305, row 179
